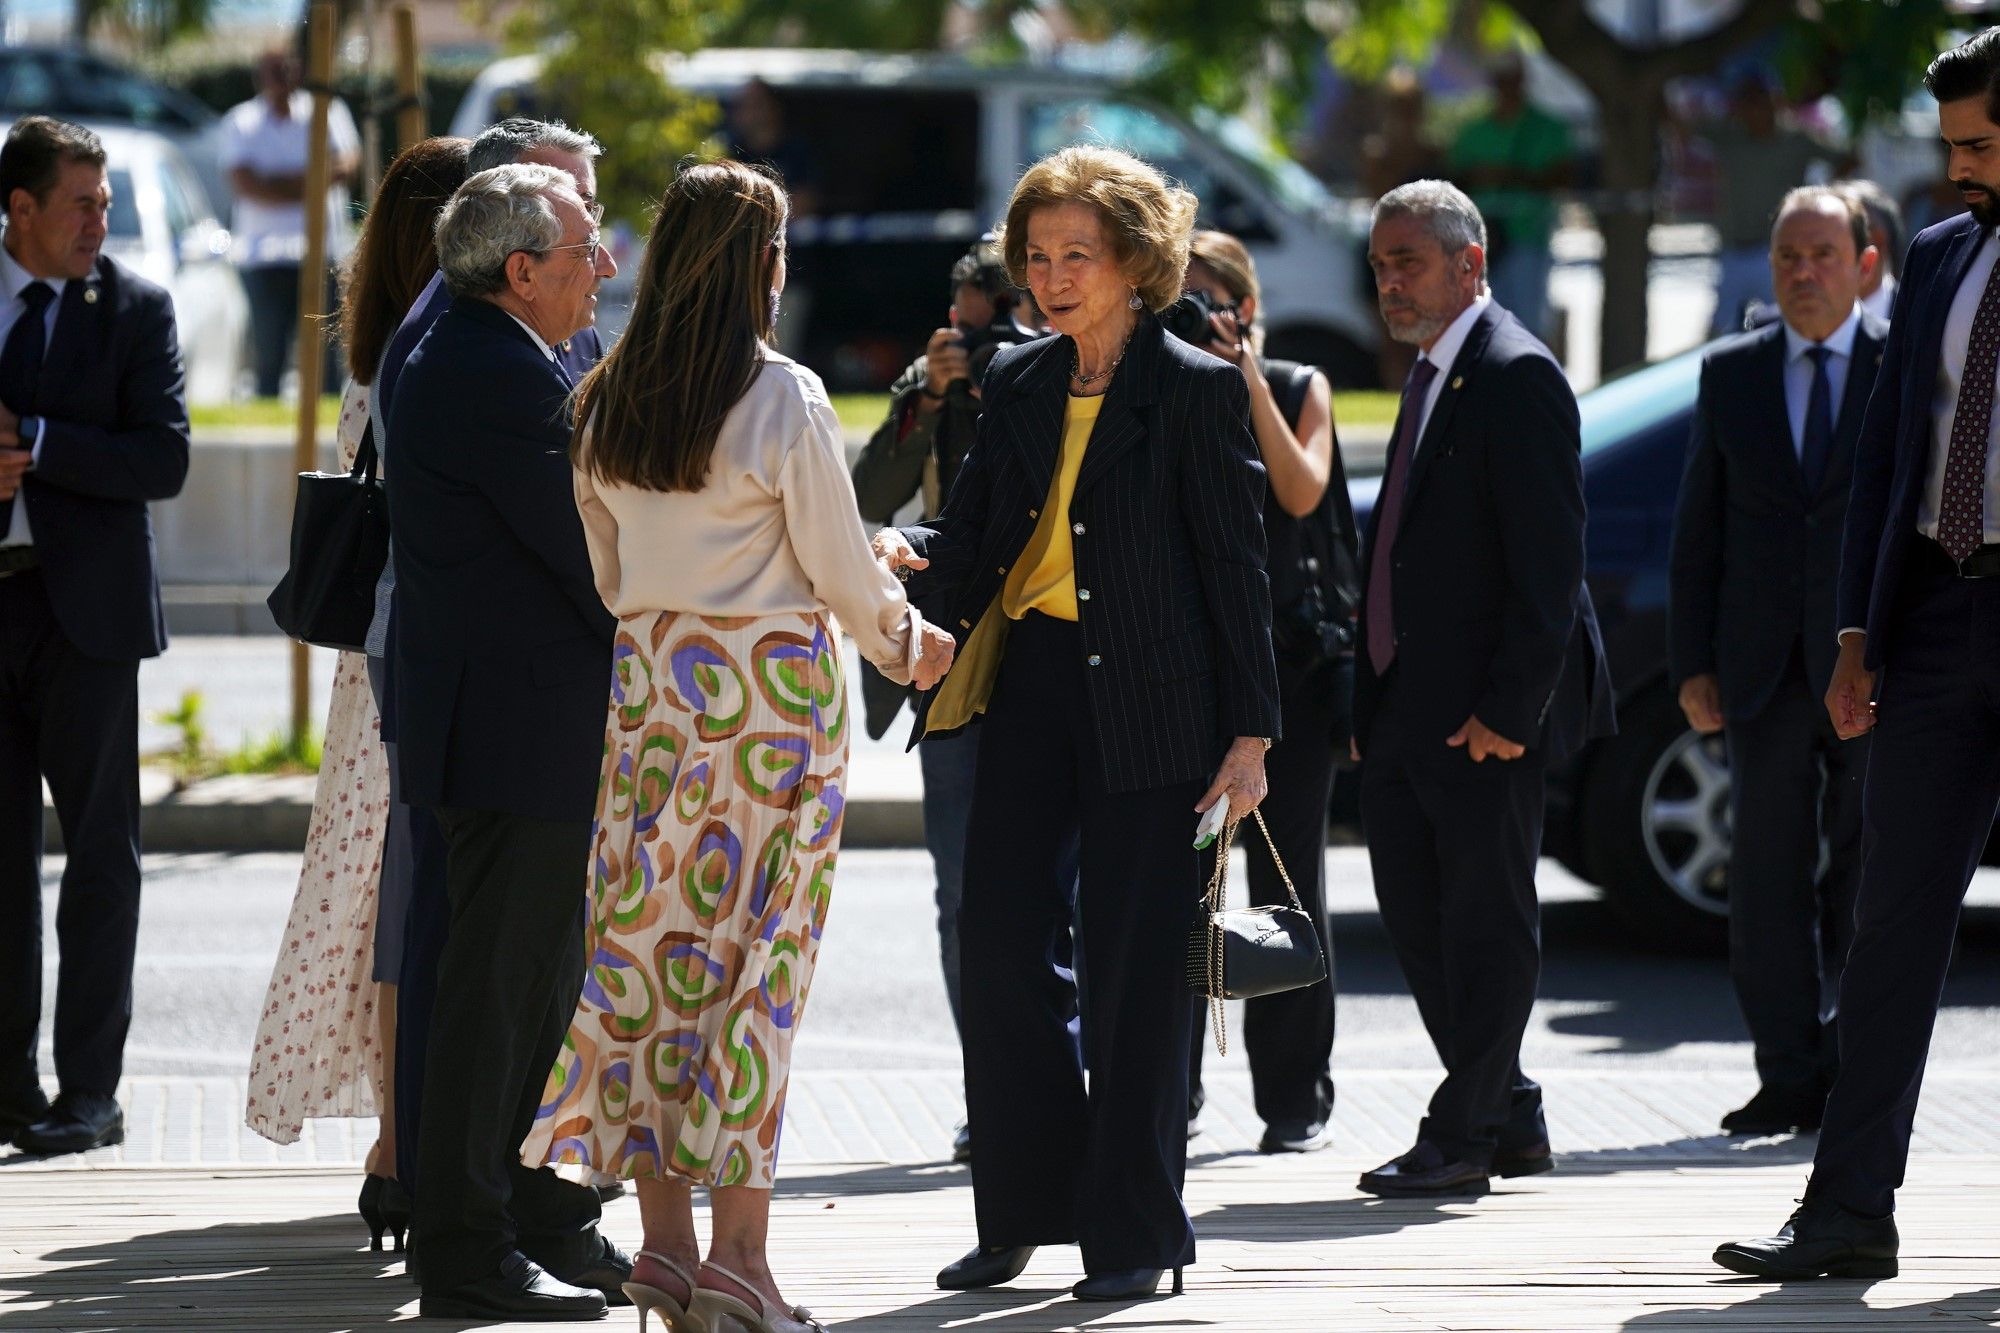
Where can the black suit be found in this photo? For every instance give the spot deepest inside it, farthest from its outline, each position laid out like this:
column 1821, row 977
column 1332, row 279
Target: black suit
column 1100, row 735
column 502, row 657
column 426, row 910
column 1933, row 780
column 1755, row 562
column 1492, row 620
column 72, row 632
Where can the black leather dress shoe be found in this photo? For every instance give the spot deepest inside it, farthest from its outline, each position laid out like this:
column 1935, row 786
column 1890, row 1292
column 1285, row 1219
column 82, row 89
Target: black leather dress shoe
column 606, row 1273
column 1425, row 1172
column 1778, row 1110
column 1821, row 1239
column 521, row 1290
column 985, row 1268
column 20, row 1110
column 1529, row 1160
column 1131, row 1284
column 78, row 1122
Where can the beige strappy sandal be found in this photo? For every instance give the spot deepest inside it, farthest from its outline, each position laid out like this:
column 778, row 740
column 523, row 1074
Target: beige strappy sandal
column 651, row 1300
column 715, row 1311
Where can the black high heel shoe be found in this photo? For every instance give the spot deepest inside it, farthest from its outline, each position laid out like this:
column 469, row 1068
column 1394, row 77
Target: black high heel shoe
column 985, row 1267
column 385, row 1206
column 1132, row 1284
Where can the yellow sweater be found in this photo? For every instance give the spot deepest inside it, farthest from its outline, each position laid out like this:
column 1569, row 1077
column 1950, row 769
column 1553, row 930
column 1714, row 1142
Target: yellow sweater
column 1043, row 579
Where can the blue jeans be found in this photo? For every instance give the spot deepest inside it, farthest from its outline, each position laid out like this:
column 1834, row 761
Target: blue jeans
column 1520, row 282
column 949, row 763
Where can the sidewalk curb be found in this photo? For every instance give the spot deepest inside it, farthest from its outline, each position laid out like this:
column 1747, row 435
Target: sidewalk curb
column 246, row 814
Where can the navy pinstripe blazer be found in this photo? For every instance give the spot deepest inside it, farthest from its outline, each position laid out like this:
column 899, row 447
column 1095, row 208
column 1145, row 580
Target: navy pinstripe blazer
column 1168, row 529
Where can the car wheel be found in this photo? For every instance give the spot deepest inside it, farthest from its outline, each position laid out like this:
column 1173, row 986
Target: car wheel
column 1657, row 825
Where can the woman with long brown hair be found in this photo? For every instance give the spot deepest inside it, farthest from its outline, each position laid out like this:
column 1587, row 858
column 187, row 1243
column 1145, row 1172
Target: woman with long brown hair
column 326, row 1037
column 723, row 533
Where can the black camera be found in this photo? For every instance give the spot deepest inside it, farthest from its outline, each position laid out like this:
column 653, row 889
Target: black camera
column 983, row 344
column 1187, row 318
column 1308, row 631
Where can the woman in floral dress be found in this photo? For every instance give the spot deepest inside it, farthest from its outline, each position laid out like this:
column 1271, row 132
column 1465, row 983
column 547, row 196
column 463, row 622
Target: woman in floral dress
column 723, row 533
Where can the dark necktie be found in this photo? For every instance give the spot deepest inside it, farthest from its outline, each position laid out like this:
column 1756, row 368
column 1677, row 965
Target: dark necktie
column 1381, row 625
column 1961, row 507
column 21, row 367
column 1816, row 443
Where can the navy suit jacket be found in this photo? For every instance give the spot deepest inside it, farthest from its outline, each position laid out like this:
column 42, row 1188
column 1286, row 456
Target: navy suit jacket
column 1492, row 616
column 1892, row 458
column 1755, row 558
column 502, row 648
column 578, row 354
column 1168, row 530
column 114, row 435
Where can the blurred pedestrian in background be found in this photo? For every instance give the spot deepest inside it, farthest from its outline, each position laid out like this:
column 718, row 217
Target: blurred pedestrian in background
column 1103, row 555
column 712, row 481
column 1512, row 161
column 1315, row 589
column 1756, row 556
column 93, row 425
column 1888, row 235
column 326, row 1038
column 916, row 452
column 1398, row 149
column 264, row 152
column 1757, row 162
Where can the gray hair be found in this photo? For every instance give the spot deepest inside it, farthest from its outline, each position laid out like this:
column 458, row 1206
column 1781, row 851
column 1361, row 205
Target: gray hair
column 493, row 215
column 515, row 137
column 1447, row 214
column 1825, row 199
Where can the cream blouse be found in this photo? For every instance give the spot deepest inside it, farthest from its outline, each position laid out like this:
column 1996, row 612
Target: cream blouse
column 774, row 528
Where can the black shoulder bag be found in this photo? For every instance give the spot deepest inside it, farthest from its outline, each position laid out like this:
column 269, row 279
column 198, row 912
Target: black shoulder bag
column 340, row 541
column 1240, row 952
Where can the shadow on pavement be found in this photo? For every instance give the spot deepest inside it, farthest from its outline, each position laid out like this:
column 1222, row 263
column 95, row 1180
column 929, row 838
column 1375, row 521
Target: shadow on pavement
column 1331, row 1219
column 1020, row 1310
column 1824, row 1304
column 304, row 1276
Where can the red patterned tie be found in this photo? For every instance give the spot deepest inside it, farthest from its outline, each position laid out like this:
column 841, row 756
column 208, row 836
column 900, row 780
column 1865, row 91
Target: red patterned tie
column 1961, row 509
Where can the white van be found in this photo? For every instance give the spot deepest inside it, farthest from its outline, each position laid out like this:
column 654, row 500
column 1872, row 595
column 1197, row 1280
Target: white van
column 905, row 159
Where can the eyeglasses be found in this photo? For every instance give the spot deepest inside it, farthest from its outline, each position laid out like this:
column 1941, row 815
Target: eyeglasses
column 589, row 247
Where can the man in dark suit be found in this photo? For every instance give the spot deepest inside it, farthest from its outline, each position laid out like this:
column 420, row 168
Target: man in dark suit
column 1919, row 615
column 92, row 426
column 502, row 663
column 1756, row 554
column 415, row 845
column 1481, row 666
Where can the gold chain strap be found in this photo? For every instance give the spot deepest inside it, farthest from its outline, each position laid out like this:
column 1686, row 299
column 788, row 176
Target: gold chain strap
column 1212, row 899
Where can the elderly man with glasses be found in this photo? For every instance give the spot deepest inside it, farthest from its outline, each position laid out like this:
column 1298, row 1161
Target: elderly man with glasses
column 502, row 650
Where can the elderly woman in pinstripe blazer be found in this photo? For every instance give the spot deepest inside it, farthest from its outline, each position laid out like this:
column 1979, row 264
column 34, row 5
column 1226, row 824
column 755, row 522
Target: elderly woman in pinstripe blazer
column 1101, row 558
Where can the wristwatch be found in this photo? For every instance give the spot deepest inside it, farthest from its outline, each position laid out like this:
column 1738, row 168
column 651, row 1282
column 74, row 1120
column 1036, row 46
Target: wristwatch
column 1266, row 740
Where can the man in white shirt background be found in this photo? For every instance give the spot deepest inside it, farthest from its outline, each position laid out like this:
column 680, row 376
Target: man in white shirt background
column 1756, row 557
column 264, row 152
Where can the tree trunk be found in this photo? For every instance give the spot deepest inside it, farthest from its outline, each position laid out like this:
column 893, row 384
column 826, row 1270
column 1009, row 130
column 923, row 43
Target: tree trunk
column 1625, row 218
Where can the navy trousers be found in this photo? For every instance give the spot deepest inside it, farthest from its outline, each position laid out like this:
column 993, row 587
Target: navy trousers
column 74, row 720
column 1453, row 845
column 1052, row 1162
column 1928, row 804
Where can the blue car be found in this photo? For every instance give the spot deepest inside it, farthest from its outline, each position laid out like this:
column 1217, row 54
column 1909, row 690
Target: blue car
column 1643, row 814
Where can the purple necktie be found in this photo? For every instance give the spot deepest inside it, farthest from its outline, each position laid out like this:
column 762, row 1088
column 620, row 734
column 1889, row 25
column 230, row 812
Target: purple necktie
column 1961, row 516
column 1381, row 609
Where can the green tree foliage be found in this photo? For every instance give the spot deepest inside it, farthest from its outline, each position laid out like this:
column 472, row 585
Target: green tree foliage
column 1867, row 53
column 604, row 67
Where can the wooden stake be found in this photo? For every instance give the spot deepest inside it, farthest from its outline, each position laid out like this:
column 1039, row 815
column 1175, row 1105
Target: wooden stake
column 312, row 307
column 410, row 125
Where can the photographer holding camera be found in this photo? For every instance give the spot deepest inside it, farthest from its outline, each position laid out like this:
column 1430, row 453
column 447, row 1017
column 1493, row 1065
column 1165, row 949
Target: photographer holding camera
column 933, row 417
column 1315, row 586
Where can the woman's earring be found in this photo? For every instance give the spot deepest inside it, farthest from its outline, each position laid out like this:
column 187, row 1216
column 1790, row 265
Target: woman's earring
column 1135, row 302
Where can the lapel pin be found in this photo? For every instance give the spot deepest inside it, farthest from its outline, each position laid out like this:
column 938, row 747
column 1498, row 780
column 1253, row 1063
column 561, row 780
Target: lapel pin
column 90, row 296
column 1458, row 381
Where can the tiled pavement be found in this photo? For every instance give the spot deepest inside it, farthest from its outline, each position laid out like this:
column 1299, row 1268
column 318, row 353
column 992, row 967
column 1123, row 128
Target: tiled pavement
column 905, row 1118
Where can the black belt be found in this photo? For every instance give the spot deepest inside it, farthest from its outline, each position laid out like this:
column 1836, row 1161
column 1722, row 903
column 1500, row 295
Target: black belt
column 14, row 559
column 1983, row 563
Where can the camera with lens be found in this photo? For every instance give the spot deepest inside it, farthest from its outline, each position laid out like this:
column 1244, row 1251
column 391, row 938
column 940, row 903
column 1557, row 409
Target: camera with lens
column 1187, row 318
column 1307, row 631
column 983, row 344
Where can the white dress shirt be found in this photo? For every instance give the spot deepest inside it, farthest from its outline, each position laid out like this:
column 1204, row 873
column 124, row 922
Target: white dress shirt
column 1944, row 405
column 1883, row 301
column 12, row 279
column 548, row 352
column 253, row 136
column 1442, row 354
column 1799, row 373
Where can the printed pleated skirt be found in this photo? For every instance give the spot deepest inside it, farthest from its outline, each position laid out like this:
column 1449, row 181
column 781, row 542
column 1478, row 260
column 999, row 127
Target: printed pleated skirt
column 711, row 869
